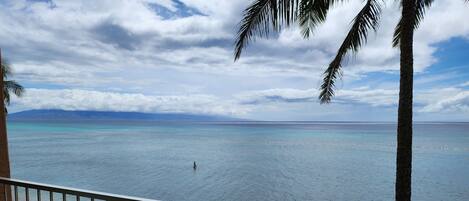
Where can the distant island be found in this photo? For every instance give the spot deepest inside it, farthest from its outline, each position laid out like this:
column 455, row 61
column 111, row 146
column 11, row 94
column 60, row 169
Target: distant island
column 64, row 115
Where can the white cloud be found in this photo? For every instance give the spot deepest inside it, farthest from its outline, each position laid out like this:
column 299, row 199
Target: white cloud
column 74, row 99
column 64, row 33
column 434, row 100
column 373, row 97
column 277, row 95
column 458, row 103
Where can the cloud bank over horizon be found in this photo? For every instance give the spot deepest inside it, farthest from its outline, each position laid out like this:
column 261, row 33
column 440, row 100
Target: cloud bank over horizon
column 177, row 56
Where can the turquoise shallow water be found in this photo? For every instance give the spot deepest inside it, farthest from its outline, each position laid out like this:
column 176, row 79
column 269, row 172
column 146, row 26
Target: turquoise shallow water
column 240, row 161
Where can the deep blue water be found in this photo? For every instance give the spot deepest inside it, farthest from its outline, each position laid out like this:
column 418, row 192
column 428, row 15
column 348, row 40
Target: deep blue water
column 241, row 161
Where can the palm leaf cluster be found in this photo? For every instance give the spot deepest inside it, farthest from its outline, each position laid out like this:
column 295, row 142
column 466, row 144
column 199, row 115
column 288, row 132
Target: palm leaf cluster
column 263, row 16
column 10, row 86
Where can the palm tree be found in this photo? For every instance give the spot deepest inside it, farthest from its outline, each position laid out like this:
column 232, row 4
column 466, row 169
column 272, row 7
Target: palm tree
column 263, row 16
column 9, row 86
column 4, row 157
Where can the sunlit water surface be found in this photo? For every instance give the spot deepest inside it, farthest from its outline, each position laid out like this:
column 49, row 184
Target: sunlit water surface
column 240, row 161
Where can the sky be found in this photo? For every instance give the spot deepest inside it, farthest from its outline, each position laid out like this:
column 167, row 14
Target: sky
column 176, row 56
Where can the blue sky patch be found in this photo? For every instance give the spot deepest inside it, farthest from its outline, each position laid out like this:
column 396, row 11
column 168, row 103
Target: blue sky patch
column 182, row 10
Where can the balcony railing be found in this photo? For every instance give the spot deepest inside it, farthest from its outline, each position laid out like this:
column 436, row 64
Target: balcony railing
column 18, row 190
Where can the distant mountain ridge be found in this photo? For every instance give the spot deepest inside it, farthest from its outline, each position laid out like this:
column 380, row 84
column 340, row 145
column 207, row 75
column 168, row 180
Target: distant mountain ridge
column 62, row 115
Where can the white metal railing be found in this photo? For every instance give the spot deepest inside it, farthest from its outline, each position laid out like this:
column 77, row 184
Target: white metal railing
column 12, row 192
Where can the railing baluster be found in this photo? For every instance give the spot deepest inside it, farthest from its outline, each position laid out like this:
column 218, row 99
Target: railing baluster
column 38, row 194
column 51, row 196
column 5, row 192
column 26, row 189
column 16, row 192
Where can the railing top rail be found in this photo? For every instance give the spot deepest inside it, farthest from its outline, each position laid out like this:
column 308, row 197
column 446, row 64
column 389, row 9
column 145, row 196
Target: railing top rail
column 70, row 191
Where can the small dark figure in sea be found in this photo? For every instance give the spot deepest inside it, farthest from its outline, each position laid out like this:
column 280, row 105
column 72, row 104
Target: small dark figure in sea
column 195, row 166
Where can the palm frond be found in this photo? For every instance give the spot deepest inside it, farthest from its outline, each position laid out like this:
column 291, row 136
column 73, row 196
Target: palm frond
column 420, row 9
column 366, row 19
column 6, row 68
column 312, row 13
column 14, row 87
column 9, row 85
column 287, row 12
column 6, row 97
column 263, row 16
column 258, row 19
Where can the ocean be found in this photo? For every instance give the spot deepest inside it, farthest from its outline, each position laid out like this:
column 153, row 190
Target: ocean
column 241, row 160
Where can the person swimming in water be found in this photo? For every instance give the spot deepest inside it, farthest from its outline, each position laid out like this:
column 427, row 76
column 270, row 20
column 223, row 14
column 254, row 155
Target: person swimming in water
column 195, row 166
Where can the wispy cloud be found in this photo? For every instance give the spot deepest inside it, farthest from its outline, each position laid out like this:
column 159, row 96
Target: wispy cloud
column 75, row 99
column 457, row 102
column 466, row 84
column 434, row 100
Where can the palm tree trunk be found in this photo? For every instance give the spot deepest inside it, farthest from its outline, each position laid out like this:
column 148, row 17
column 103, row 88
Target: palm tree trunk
column 404, row 122
column 4, row 158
